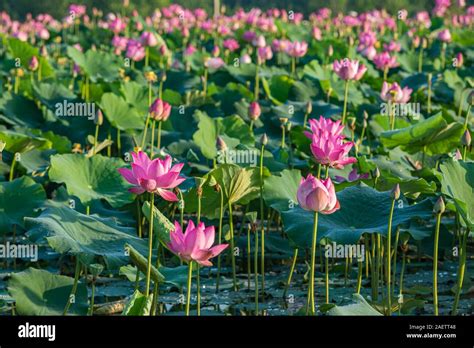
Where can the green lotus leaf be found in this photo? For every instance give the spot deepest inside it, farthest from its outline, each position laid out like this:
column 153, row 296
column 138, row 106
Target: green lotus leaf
column 91, row 178
column 120, row 114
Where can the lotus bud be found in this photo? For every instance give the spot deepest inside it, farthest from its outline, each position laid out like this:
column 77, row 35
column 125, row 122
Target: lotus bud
column 34, row 63
column 459, row 60
column 376, row 173
column 220, row 144
column 330, row 51
column 458, row 155
column 352, row 123
column 309, row 107
column 364, row 123
column 366, row 115
column 264, row 139
column 439, row 206
column 288, row 126
column 2, row 145
column 254, row 111
column 99, row 118
column 466, row 138
column 395, row 194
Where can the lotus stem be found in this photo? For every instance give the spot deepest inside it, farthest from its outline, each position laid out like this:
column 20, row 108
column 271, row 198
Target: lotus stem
column 262, row 225
column 96, row 136
column 466, row 121
column 257, row 83
column 420, row 60
column 153, row 124
column 313, row 261
column 256, row 271
column 388, row 253
column 461, row 272
column 326, row 271
column 150, row 244
column 290, row 276
column 158, row 139
column 232, row 245
column 248, row 259
column 221, row 216
column 188, row 289
column 91, row 308
column 435, row 264
column 77, row 273
column 346, row 93
column 430, row 77
column 147, row 54
column 359, row 276
column 12, row 167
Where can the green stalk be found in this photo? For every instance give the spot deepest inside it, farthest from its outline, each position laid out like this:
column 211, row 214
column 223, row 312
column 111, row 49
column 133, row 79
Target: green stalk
column 326, row 271
column 313, row 261
column 257, row 83
column 395, row 249
column 12, row 168
column 204, row 83
column 443, row 55
column 77, row 273
column 461, row 271
column 292, row 269
column 359, row 276
column 293, row 66
column 248, row 259
column 147, row 117
column 256, row 272
column 158, row 140
column 91, row 308
column 221, row 216
column 389, row 254
column 150, row 244
column 153, row 124
column 435, row 264
column 262, row 226
column 198, row 278
column 429, row 92
column 147, row 54
column 119, row 143
column 188, row 296
column 420, row 60
column 466, row 121
column 96, row 136
column 346, row 92
column 232, row 243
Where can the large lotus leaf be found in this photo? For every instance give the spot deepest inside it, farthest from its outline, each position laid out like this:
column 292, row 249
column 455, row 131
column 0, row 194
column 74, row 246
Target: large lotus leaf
column 363, row 210
column 24, row 51
column 20, row 111
column 23, row 142
column 19, row 198
column 359, row 307
column 87, row 236
column 280, row 190
column 433, row 135
column 232, row 128
column 136, row 95
column 97, row 65
column 50, row 94
column 457, row 181
column 138, row 305
column 91, row 178
column 120, row 114
column 39, row 292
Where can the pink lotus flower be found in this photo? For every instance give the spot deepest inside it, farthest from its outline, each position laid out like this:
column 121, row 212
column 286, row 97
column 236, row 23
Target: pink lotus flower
column 148, row 39
column 117, row 25
column 135, row 50
column 324, row 126
column 459, row 60
column 214, row 63
column 154, row 176
column 317, row 195
column 331, row 150
column 348, row 69
column 280, row 45
column 353, row 176
column 231, row 44
column 254, row 110
column 195, row 244
column 297, row 49
column 393, row 46
column 394, row 93
column 444, row 35
column 120, row 43
column 385, row 61
column 189, row 50
column 264, row 53
column 160, row 110
column 259, row 41
column 245, row 59
column 33, row 64
column 316, row 33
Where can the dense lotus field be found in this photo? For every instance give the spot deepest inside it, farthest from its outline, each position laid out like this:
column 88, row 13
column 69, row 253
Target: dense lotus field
column 247, row 163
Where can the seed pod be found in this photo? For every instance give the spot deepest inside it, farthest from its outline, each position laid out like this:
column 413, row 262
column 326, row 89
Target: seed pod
column 395, row 194
column 439, row 206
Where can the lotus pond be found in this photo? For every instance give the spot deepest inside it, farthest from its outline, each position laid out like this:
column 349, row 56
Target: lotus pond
column 248, row 163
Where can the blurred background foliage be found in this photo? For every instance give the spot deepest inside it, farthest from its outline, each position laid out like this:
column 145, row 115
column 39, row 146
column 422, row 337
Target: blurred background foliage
column 58, row 8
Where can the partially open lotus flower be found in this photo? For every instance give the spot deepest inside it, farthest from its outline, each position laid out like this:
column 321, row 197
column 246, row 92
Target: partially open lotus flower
column 148, row 39
column 444, row 35
column 160, row 110
column 385, row 61
column 154, row 176
column 394, row 93
column 348, row 69
column 317, row 195
column 297, row 49
column 331, row 150
column 324, row 126
column 195, row 244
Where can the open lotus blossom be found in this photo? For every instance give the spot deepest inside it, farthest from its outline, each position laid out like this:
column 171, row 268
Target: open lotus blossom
column 324, row 126
column 394, row 93
column 297, row 49
column 195, row 244
column 264, row 53
column 135, row 50
column 214, row 63
column 353, row 176
column 331, row 150
column 154, row 176
column 231, row 44
column 348, row 69
column 385, row 61
column 160, row 110
column 317, row 195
